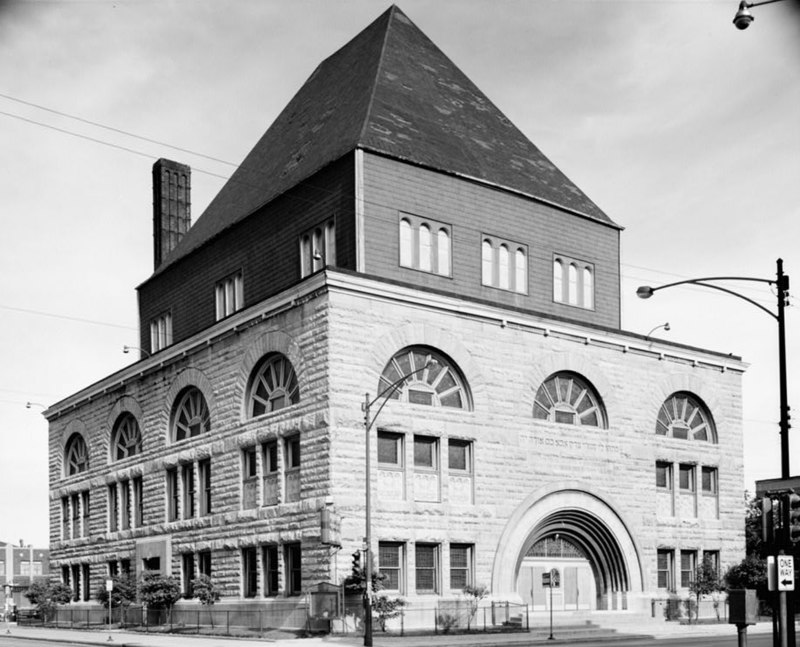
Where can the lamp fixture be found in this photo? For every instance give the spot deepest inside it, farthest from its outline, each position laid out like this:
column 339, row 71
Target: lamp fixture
column 743, row 17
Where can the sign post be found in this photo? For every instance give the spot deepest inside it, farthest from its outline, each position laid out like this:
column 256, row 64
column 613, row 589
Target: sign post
column 7, row 593
column 109, row 589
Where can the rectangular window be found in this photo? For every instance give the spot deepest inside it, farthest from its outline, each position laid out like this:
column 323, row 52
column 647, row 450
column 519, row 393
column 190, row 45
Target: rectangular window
column 686, row 478
column 390, row 565
column 229, row 295
column 86, row 588
column 204, row 562
column 294, row 579
column 65, row 518
column 665, row 559
column 711, row 558
column 390, row 449
column 125, row 566
column 76, row 582
column 504, row 264
column 271, row 570
column 664, row 475
column 113, row 569
column 292, row 468
column 249, row 478
column 187, row 568
column 173, row 495
column 271, row 482
column 187, row 475
column 249, row 572
column 150, row 564
column 573, row 282
column 85, row 513
column 318, row 248
column 204, row 475
column 113, row 507
column 76, row 515
column 138, row 502
column 427, row 567
column 425, row 245
column 425, row 453
column 460, row 566
column 709, row 478
column 124, row 504
column 688, row 566
column 160, row 332
column 459, row 456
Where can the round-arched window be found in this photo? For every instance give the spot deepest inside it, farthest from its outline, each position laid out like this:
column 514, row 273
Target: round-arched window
column 274, row 386
column 569, row 399
column 684, row 416
column 191, row 416
column 126, row 438
column 76, row 456
column 424, row 376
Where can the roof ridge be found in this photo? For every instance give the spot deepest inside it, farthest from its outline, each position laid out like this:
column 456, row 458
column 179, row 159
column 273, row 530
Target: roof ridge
column 391, row 11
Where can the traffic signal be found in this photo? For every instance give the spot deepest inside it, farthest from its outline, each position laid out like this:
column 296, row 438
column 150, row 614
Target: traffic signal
column 794, row 517
column 767, row 522
column 357, row 561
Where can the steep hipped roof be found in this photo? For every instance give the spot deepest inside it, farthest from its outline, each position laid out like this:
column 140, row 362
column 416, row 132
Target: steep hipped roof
column 392, row 91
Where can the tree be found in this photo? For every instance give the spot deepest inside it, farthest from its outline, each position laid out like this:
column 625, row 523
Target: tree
column 123, row 593
column 705, row 582
column 474, row 595
column 203, row 589
column 754, row 543
column 45, row 596
column 750, row 573
column 159, row 591
column 386, row 608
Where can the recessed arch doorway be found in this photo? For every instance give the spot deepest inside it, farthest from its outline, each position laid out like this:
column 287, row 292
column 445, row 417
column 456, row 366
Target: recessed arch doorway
column 582, row 538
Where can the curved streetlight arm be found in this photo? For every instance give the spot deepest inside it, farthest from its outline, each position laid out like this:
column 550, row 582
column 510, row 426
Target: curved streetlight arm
column 387, row 392
column 645, row 291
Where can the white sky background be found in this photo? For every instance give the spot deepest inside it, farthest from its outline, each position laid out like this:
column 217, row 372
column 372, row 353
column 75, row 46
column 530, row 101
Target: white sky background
column 683, row 129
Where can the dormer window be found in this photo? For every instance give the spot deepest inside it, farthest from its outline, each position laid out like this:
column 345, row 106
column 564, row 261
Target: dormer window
column 160, row 332
column 229, row 294
column 573, row 282
column 425, row 245
column 504, row 265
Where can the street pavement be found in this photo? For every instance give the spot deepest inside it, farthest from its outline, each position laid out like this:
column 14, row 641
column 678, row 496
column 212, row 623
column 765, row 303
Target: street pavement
column 121, row 638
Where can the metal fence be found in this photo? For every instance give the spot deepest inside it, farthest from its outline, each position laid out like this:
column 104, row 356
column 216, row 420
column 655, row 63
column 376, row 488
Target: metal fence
column 444, row 617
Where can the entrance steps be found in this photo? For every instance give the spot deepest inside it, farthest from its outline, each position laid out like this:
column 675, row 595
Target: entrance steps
column 591, row 625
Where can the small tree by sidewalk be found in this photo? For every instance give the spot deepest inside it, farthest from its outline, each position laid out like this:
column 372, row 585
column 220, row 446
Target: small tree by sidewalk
column 706, row 581
column 122, row 595
column 46, row 596
column 474, row 595
column 158, row 591
column 203, row 589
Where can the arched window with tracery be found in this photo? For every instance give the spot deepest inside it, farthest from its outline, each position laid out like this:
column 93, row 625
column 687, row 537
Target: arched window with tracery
column 430, row 379
column 683, row 415
column 76, row 455
column 273, row 386
column 126, row 438
column 569, row 399
column 190, row 416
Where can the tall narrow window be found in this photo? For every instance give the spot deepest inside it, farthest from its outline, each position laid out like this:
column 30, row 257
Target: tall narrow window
column 113, row 507
column 521, row 272
column 85, row 513
column 76, row 516
column 249, row 478
column 138, row 502
column 204, row 562
column 460, row 566
column 572, row 273
column 292, row 469
column 65, row 518
column 665, row 569
column 229, row 295
column 271, row 483
column 406, row 244
column 204, row 475
column 271, row 570
column 427, row 568
column 688, row 567
column 294, row 579
column 502, row 267
column 173, row 495
column 318, row 248
column 160, row 332
column 588, row 288
column 487, row 263
column 390, row 564
column 125, row 504
column 443, row 253
column 249, row 572
column 558, row 281
column 187, row 567
column 425, row 248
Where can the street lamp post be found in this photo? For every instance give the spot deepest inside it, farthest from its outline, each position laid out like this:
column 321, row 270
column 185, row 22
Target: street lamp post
column 743, row 17
column 368, row 422
column 781, row 283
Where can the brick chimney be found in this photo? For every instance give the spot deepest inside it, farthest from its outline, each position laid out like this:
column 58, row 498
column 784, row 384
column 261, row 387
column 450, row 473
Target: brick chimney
column 171, row 207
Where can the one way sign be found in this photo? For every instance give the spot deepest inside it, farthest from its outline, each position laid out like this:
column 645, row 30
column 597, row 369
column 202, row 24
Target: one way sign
column 785, row 572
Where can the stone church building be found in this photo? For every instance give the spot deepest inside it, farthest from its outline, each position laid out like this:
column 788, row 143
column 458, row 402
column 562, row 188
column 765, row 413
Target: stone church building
column 393, row 227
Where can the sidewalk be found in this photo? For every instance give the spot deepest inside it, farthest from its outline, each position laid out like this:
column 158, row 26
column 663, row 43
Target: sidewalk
column 120, row 638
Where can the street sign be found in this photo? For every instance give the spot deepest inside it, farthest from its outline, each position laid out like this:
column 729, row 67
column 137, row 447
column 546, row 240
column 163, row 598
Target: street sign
column 785, row 572
column 546, row 579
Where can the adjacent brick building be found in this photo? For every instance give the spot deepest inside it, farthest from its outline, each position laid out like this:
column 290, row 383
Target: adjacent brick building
column 20, row 566
column 392, row 222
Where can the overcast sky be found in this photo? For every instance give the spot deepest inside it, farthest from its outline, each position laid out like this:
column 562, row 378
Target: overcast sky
column 684, row 130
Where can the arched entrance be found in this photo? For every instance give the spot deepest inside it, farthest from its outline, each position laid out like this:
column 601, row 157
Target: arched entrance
column 583, row 538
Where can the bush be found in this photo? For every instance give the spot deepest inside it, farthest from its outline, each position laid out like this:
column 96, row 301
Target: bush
column 45, row 596
column 159, row 591
column 386, row 608
column 123, row 593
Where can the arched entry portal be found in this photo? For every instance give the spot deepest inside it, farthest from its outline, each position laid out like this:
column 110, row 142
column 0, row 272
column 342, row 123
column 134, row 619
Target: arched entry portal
column 602, row 549
column 581, row 548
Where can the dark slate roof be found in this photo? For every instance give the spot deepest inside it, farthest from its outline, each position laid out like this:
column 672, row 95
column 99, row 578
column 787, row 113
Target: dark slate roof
column 389, row 90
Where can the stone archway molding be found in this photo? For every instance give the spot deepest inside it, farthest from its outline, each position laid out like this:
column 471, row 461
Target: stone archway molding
column 543, row 504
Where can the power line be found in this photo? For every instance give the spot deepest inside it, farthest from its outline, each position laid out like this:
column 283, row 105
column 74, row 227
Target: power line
column 67, row 317
column 112, row 129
